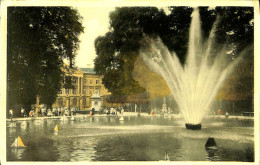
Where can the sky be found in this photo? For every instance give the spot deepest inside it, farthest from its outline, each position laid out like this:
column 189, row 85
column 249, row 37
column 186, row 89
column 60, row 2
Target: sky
column 96, row 23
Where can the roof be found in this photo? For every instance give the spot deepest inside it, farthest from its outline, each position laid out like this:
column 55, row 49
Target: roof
column 88, row 70
column 67, row 69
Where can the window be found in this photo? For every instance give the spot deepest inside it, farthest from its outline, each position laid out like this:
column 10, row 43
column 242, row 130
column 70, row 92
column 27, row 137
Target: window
column 73, row 79
column 74, row 102
column 97, row 81
column 74, row 91
column 84, row 91
column 67, row 91
column 91, row 81
column 90, row 92
column 84, row 102
column 60, row 102
column 60, row 92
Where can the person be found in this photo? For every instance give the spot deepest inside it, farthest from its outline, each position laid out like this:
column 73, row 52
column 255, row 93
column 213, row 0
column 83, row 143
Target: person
column 108, row 111
column 49, row 113
column 66, row 112
column 226, row 115
column 58, row 111
column 111, row 110
column 73, row 110
column 11, row 114
column 43, row 110
column 40, row 112
column 22, row 112
column 54, row 111
column 61, row 111
column 93, row 111
column 122, row 111
column 153, row 113
column 31, row 113
column 219, row 111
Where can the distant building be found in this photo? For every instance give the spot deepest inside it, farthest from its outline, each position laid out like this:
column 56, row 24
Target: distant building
column 86, row 83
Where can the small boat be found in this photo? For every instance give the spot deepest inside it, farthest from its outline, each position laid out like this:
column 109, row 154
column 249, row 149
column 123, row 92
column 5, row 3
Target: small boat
column 121, row 119
column 56, row 129
column 18, row 143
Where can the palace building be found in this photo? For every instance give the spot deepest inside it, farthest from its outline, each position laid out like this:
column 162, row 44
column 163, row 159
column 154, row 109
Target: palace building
column 86, row 83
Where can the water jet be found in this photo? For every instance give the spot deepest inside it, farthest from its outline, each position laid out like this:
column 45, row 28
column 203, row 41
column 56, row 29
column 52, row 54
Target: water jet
column 194, row 84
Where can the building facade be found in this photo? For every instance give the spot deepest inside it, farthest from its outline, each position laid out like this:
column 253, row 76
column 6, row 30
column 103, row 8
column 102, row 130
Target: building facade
column 86, row 83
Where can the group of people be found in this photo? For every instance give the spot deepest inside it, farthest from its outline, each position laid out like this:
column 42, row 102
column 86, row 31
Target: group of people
column 57, row 111
column 114, row 111
column 60, row 111
column 220, row 112
column 23, row 113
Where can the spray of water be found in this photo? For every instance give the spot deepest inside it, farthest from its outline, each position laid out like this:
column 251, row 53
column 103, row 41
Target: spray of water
column 194, row 85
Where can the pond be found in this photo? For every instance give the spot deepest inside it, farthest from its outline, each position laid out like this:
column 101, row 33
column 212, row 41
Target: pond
column 150, row 138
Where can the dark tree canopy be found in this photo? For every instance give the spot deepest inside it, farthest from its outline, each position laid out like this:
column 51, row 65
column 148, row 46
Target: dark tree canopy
column 118, row 49
column 39, row 39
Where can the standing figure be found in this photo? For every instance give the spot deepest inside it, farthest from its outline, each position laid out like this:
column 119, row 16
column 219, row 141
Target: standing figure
column 31, row 113
column 122, row 111
column 93, row 111
column 11, row 114
column 226, row 115
column 219, row 111
column 22, row 112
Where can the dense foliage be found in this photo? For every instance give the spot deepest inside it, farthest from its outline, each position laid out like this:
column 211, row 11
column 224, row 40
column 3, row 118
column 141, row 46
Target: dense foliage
column 39, row 39
column 118, row 49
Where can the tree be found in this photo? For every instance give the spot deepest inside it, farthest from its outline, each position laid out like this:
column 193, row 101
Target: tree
column 118, row 50
column 39, row 39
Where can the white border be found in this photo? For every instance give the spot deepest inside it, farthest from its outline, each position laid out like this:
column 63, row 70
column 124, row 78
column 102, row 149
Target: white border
column 113, row 3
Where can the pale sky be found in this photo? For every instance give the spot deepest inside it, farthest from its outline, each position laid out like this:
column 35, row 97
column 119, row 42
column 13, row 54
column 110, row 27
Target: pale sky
column 95, row 23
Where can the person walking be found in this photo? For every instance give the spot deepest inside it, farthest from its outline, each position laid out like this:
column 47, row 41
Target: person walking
column 11, row 114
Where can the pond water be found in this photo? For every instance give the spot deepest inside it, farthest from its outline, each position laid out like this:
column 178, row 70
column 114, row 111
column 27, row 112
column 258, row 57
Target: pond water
column 105, row 138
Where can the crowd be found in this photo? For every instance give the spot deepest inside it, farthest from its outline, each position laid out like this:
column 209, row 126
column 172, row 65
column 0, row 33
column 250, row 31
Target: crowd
column 57, row 111
column 114, row 111
column 61, row 111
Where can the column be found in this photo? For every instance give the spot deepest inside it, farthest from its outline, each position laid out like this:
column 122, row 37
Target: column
column 78, row 85
column 68, row 102
column 82, row 84
column 80, row 103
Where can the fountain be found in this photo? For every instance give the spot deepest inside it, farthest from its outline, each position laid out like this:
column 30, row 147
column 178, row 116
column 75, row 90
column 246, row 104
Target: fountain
column 195, row 84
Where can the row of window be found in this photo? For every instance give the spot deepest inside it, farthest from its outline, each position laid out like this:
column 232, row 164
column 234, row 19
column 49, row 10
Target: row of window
column 74, row 80
column 62, row 102
column 91, row 81
column 75, row 91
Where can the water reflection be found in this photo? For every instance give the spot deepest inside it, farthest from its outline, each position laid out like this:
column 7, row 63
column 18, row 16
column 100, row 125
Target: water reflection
column 18, row 152
column 136, row 138
column 212, row 154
